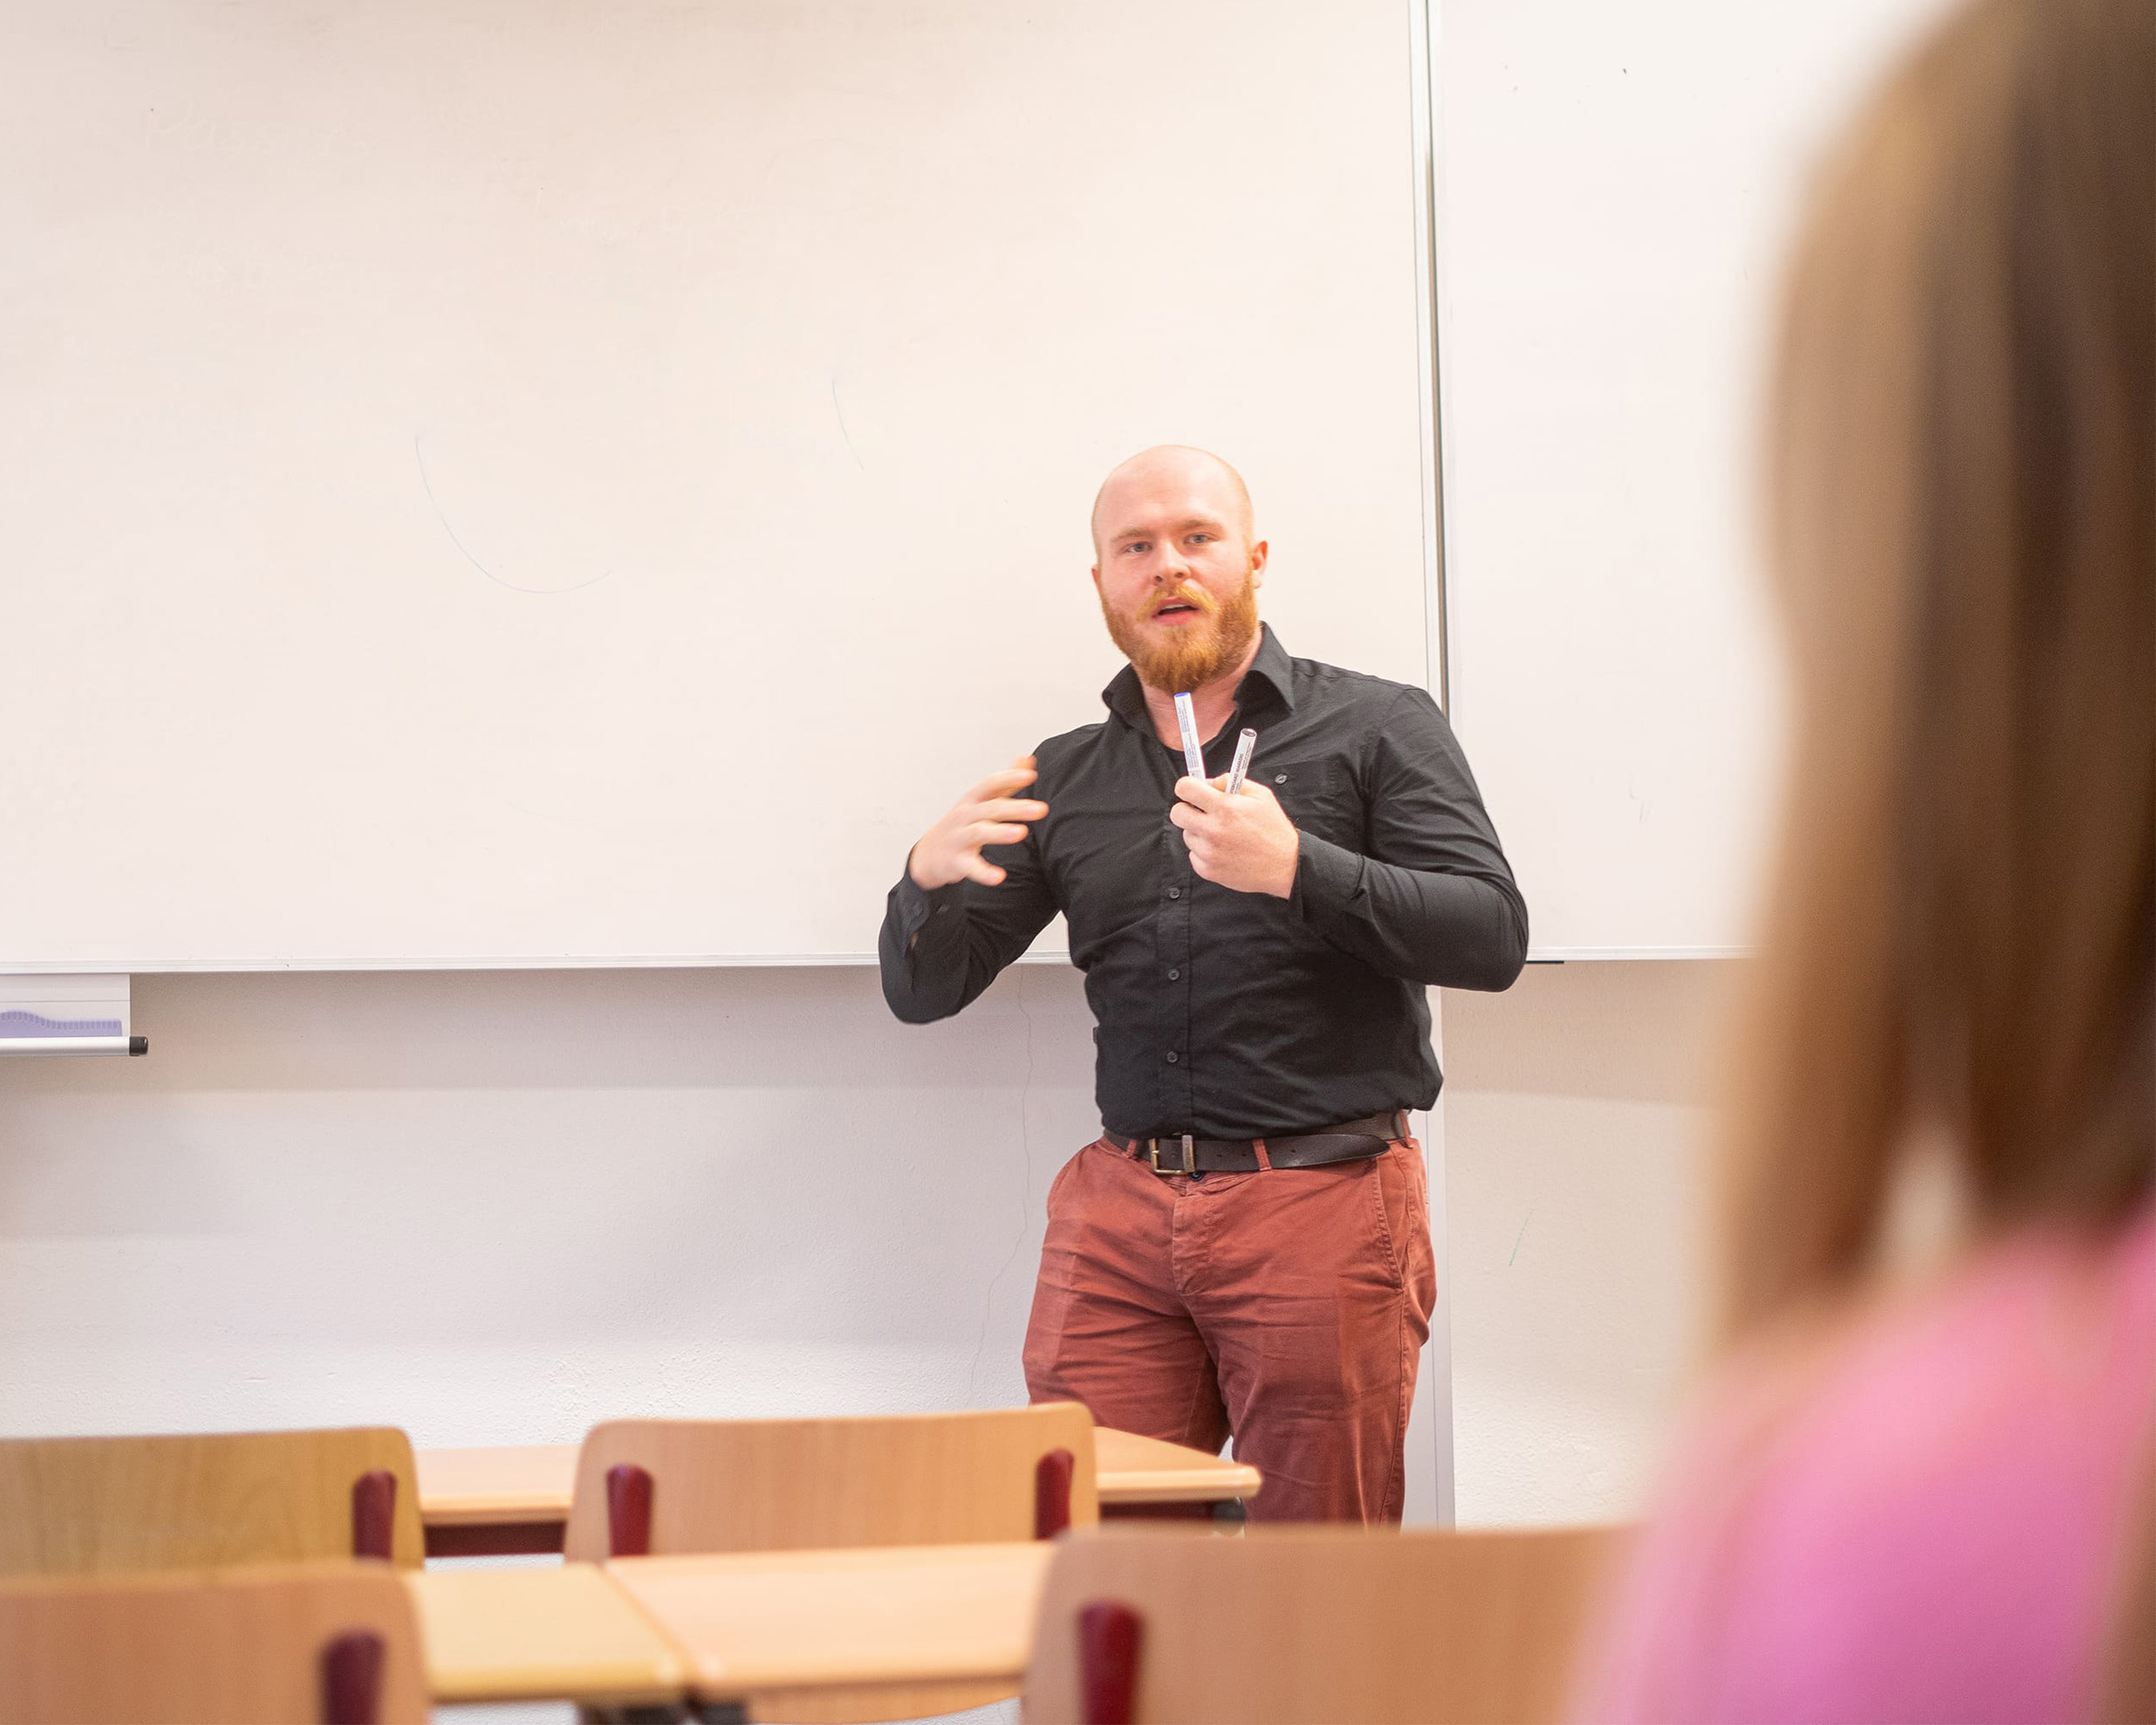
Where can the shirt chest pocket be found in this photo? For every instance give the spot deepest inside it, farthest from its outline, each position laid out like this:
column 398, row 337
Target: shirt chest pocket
column 1319, row 795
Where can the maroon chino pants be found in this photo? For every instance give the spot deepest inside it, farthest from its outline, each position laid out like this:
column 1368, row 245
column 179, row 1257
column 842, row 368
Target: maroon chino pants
column 1287, row 1307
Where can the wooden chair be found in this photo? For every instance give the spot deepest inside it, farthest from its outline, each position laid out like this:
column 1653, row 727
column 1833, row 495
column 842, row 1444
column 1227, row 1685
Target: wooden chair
column 654, row 1486
column 336, row 1643
column 93, row 1505
column 1309, row 1624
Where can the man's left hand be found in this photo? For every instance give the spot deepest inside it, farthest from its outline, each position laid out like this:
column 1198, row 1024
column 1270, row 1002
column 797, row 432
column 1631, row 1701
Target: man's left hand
column 1245, row 842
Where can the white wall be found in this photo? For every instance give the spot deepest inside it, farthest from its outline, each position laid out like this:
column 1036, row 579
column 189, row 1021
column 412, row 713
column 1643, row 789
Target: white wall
column 1574, row 1135
column 495, row 1207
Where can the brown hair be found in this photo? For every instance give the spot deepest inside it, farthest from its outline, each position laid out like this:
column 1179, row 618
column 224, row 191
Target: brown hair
column 1963, row 531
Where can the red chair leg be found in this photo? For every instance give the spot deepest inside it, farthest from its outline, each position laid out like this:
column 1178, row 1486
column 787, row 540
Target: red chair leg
column 1051, row 1493
column 628, row 1511
column 373, row 1513
column 1109, row 1636
column 351, row 1679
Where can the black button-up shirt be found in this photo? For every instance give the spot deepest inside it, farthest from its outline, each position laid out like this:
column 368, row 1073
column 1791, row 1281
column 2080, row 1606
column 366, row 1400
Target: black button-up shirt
column 1237, row 1014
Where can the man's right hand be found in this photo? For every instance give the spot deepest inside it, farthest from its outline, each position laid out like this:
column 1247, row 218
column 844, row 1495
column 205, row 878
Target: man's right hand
column 989, row 814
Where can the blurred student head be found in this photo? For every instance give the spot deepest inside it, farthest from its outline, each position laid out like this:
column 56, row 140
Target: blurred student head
column 1962, row 946
column 1912, row 1504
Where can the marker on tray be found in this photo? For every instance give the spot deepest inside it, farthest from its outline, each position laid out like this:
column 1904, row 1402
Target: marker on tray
column 1193, row 751
column 1243, row 745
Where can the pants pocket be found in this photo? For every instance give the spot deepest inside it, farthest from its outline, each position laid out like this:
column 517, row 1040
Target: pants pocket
column 1410, row 1221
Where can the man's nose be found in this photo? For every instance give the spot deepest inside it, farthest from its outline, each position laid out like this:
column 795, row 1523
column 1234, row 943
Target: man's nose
column 1173, row 565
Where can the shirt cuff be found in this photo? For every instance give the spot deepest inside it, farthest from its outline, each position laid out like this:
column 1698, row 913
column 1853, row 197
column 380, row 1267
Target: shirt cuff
column 915, row 904
column 1328, row 879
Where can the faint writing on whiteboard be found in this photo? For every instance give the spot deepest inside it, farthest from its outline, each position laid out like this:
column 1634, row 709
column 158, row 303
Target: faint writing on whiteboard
column 419, row 454
column 15, row 1023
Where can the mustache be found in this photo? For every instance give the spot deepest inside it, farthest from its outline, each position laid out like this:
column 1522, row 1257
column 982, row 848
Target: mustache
column 1196, row 598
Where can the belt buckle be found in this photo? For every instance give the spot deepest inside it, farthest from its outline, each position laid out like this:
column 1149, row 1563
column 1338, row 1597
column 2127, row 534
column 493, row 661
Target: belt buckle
column 1189, row 1156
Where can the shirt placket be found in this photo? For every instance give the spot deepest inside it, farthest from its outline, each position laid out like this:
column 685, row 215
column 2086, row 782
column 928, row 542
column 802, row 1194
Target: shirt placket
column 1179, row 1084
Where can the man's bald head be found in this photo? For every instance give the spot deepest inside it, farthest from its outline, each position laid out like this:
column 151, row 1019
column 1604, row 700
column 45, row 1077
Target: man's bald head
column 1171, row 470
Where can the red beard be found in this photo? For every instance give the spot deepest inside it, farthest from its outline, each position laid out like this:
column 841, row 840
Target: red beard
column 1193, row 654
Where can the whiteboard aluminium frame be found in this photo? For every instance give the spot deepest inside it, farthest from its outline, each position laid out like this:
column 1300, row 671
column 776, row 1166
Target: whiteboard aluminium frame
column 1432, row 1449
column 1423, row 36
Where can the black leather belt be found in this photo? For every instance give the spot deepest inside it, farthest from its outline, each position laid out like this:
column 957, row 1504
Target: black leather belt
column 1184, row 1154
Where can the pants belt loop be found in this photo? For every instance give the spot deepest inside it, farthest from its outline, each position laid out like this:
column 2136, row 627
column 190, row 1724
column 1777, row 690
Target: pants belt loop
column 1265, row 1161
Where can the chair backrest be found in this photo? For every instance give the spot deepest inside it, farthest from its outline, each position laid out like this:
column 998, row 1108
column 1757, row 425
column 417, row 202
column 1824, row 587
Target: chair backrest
column 337, row 1643
column 98, row 1504
column 657, row 1486
column 1339, row 1625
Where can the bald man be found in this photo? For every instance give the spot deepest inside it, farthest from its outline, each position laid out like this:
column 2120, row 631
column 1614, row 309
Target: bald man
column 1245, row 1250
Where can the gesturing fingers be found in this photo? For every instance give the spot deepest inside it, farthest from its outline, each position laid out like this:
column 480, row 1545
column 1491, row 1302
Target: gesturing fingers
column 1009, row 809
column 989, row 814
column 1001, row 784
column 1019, row 773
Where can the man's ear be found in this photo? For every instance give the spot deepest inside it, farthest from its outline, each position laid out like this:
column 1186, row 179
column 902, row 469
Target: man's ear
column 1096, row 577
column 1258, row 555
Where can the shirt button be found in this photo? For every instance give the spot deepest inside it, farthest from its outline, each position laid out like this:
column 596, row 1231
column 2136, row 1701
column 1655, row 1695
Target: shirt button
column 1175, row 976
column 1175, row 892
column 1173, row 1057
column 1280, row 779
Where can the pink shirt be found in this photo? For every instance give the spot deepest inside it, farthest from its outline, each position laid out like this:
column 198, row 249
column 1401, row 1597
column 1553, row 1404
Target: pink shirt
column 1923, row 1526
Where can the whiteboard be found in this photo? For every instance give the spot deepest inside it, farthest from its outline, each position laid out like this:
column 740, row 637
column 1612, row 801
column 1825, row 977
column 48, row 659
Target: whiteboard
column 494, row 483
column 1617, row 186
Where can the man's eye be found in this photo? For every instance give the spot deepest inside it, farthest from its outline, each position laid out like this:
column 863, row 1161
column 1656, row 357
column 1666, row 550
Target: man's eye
column 1199, row 538
column 1135, row 545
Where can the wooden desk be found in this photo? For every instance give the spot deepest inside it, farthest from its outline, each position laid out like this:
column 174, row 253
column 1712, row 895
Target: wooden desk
column 804, row 1635
column 494, row 1501
column 1134, row 1470
column 489, row 1502
column 562, row 1632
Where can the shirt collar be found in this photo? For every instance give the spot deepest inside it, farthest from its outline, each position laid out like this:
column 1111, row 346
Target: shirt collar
column 1271, row 677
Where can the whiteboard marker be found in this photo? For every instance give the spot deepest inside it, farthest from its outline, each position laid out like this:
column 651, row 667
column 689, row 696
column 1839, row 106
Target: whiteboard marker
column 1243, row 745
column 1193, row 751
column 75, row 1045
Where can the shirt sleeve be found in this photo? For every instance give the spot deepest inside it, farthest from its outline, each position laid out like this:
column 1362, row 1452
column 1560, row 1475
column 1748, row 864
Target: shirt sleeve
column 940, row 949
column 1434, row 901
